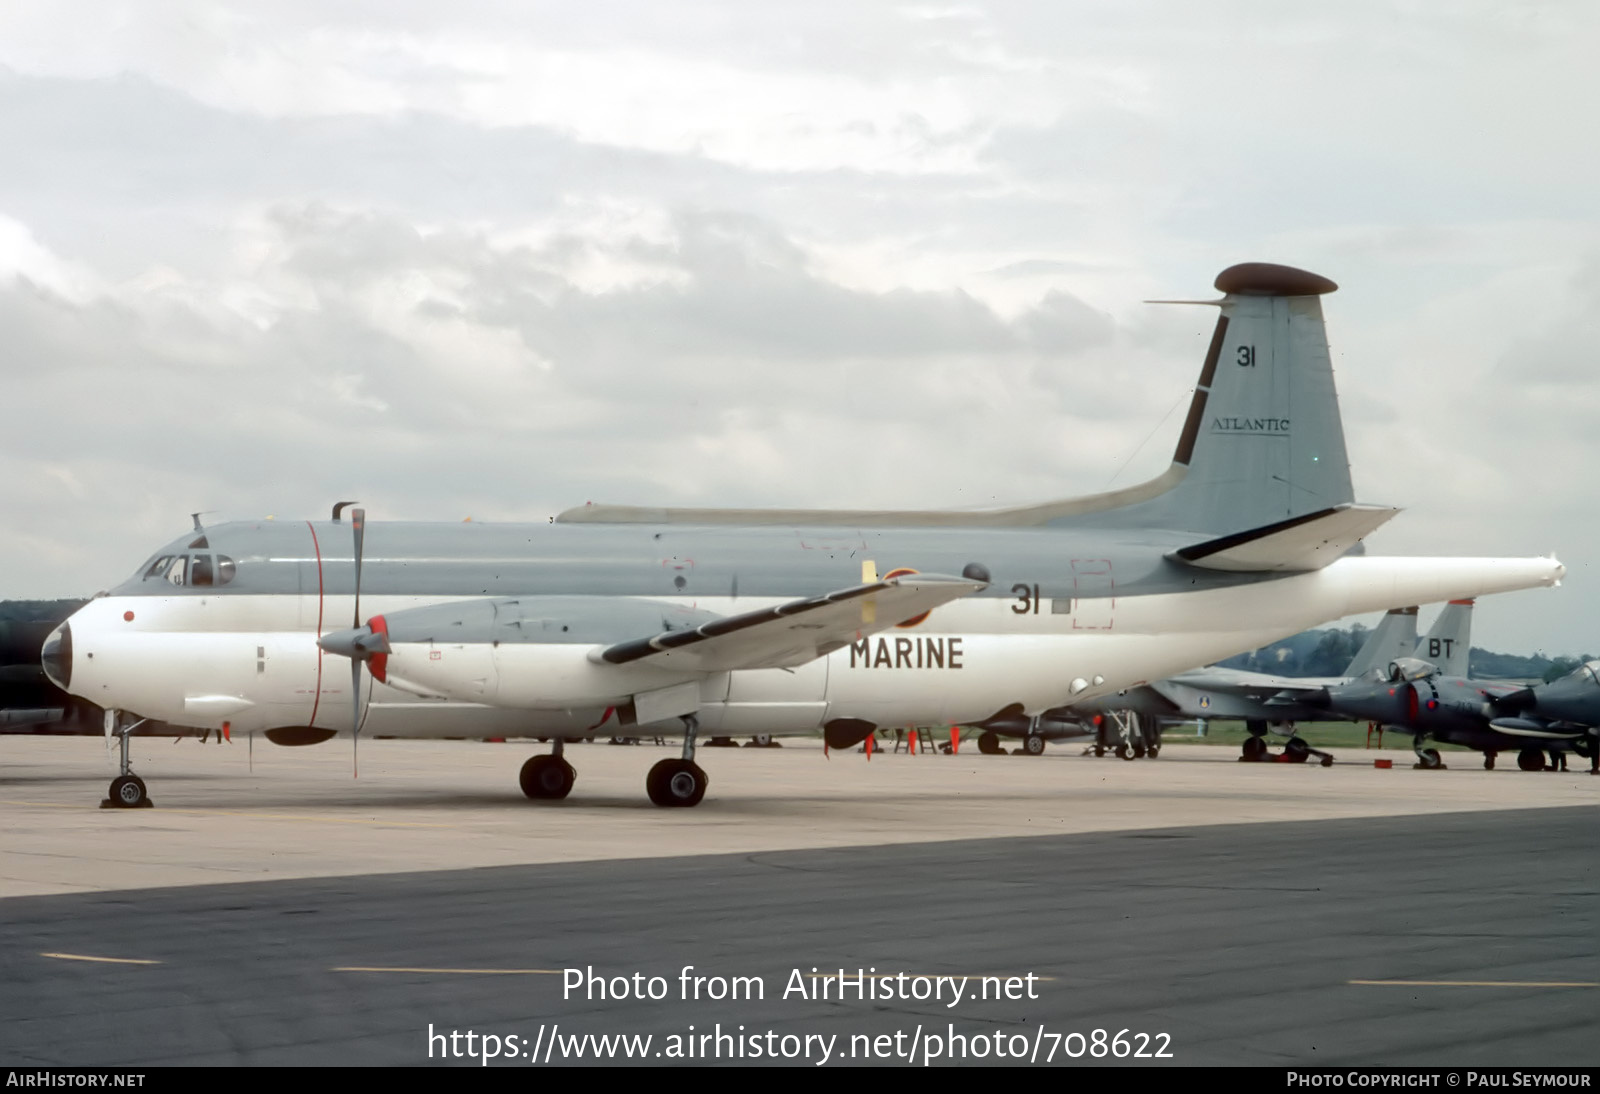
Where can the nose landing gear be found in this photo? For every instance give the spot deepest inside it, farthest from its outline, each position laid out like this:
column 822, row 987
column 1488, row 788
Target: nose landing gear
column 127, row 789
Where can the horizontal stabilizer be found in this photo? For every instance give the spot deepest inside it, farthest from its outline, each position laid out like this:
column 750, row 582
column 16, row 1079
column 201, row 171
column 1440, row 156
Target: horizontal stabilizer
column 1295, row 545
column 792, row 634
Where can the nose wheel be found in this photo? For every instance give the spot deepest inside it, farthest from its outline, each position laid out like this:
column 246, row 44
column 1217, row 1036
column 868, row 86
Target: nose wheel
column 127, row 789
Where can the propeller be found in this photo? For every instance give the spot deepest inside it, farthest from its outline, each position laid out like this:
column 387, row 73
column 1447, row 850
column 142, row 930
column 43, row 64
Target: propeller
column 367, row 644
column 358, row 526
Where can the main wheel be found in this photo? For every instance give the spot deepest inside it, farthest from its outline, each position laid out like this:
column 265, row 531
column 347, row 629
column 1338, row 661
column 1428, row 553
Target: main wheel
column 547, row 777
column 1529, row 759
column 1033, row 744
column 128, row 792
column 1488, row 761
column 1125, row 753
column 676, row 782
column 1255, row 749
column 989, row 743
column 760, row 740
column 1297, row 750
column 1152, row 752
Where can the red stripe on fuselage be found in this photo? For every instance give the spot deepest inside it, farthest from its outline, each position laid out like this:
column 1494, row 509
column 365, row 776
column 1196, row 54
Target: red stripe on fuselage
column 317, row 702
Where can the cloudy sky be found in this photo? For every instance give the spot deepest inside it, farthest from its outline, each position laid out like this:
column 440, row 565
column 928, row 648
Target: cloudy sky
column 493, row 260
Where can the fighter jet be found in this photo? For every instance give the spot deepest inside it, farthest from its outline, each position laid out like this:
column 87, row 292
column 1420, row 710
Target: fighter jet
column 1568, row 705
column 777, row 621
column 1425, row 699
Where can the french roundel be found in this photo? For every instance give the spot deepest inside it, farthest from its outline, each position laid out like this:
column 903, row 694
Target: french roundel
column 903, row 572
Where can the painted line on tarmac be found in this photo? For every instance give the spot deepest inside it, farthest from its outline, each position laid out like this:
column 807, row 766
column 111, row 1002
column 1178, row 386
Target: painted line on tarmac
column 450, row 972
column 1477, row 983
column 253, row 816
column 101, row 960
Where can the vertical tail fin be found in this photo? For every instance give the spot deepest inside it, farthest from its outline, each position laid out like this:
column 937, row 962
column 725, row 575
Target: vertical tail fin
column 1395, row 636
column 1448, row 642
column 1263, row 441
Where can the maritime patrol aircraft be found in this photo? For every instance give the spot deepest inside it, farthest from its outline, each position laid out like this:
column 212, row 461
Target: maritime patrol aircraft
column 777, row 620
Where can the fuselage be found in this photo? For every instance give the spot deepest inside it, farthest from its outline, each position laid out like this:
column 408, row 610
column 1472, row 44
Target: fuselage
column 221, row 625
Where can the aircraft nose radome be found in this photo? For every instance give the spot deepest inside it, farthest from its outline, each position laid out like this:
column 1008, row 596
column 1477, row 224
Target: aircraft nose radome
column 56, row 657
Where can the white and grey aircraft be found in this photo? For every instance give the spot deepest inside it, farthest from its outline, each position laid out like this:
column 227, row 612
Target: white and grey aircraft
column 777, row 621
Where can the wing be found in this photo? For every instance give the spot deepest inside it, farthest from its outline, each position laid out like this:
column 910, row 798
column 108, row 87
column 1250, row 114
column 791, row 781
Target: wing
column 792, row 634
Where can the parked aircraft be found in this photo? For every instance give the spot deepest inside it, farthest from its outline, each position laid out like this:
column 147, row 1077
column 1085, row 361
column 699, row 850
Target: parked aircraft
column 1564, row 705
column 776, row 621
column 1436, row 699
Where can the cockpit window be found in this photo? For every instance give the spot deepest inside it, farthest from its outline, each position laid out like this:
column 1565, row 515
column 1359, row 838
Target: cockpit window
column 1593, row 669
column 199, row 570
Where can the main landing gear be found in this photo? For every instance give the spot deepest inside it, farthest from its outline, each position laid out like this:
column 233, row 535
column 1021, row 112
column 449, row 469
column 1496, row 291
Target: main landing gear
column 548, row 776
column 1296, row 750
column 127, row 789
column 1428, row 758
column 1530, row 759
column 680, row 782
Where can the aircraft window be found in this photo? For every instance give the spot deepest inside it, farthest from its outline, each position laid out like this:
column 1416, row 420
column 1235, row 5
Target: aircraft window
column 200, row 543
column 225, row 569
column 175, row 570
column 159, row 566
column 1593, row 669
column 200, row 570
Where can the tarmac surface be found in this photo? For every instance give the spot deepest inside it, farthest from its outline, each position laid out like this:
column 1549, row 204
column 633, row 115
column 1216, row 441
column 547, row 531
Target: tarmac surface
column 1120, row 886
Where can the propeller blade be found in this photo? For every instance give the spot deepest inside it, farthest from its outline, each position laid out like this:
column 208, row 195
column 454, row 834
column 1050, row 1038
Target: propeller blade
column 358, row 524
column 358, row 527
column 355, row 736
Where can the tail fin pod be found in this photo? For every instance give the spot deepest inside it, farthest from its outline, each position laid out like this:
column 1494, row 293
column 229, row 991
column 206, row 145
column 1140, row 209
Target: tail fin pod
column 1448, row 642
column 1395, row 636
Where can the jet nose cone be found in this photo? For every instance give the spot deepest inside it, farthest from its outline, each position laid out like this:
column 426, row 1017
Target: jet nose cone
column 56, row 657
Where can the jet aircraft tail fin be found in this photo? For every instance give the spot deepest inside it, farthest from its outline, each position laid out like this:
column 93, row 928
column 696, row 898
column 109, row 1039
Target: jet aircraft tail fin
column 1395, row 636
column 1448, row 642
